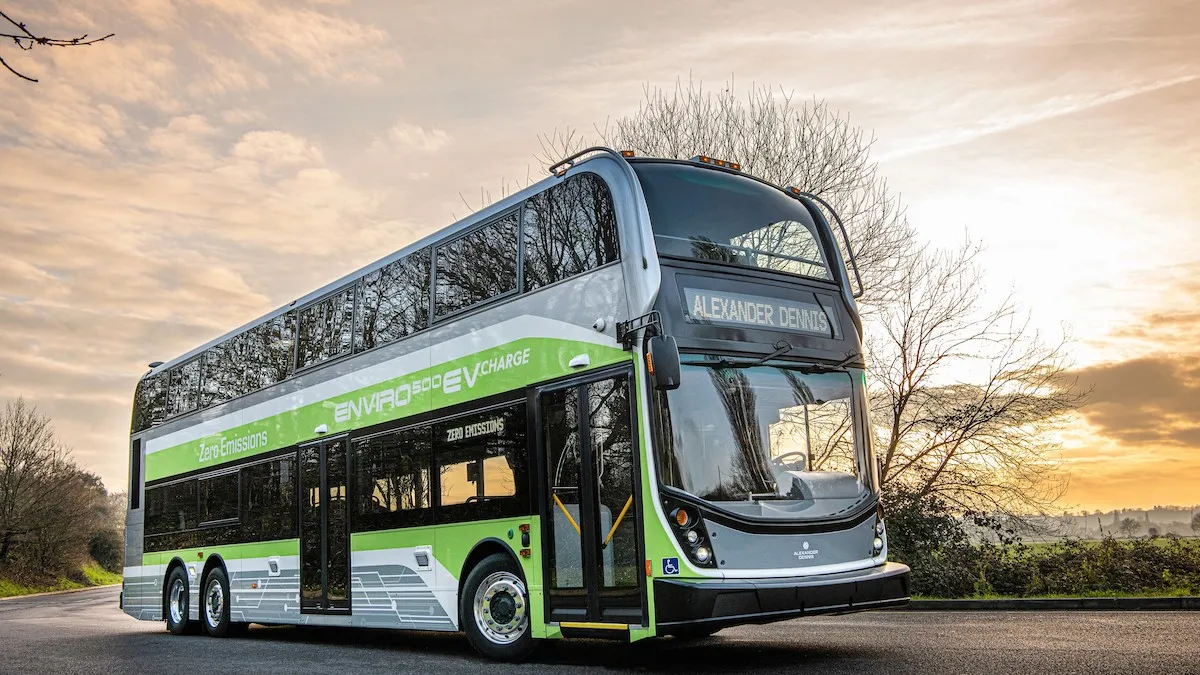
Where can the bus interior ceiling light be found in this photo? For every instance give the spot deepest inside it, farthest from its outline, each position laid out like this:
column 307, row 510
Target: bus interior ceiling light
column 705, row 159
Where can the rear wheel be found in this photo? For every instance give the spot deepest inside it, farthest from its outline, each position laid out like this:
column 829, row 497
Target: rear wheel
column 177, row 601
column 214, row 604
column 494, row 607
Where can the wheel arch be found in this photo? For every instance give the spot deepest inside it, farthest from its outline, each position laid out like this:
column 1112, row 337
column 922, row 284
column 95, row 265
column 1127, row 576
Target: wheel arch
column 176, row 562
column 483, row 549
column 214, row 561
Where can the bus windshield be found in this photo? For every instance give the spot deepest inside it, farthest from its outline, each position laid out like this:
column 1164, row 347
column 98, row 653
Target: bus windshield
column 715, row 216
column 765, row 441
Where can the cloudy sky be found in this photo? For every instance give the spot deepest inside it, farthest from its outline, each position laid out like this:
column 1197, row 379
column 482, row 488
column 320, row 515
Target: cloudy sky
column 221, row 157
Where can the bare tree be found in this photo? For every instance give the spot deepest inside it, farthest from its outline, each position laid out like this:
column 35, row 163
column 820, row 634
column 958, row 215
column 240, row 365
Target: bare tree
column 965, row 393
column 1129, row 526
column 1196, row 522
column 26, row 40
column 774, row 137
column 47, row 505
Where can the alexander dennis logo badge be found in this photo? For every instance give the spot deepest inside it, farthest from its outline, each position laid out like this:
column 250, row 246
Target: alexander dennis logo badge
column 805, row 553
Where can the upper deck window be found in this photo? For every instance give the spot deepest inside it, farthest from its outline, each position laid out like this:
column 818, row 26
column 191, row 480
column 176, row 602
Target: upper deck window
column 477, row 266
column 716, row 216
column 393, row 302
column 569, row 229
column 326, row 329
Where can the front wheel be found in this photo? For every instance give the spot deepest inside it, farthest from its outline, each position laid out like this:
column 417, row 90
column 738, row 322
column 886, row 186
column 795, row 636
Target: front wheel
column 177, row 601
column 494, row 607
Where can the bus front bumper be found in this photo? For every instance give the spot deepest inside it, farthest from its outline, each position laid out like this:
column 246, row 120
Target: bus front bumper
column 682, row 604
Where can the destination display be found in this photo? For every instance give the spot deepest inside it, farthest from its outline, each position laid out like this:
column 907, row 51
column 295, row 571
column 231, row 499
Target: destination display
column 756, row 311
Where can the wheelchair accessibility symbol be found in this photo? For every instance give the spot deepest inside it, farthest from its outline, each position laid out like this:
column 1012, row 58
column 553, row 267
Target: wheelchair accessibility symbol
column 670, row 565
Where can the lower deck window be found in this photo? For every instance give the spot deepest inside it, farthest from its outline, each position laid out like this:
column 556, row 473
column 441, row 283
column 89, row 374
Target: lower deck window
column 483, row 465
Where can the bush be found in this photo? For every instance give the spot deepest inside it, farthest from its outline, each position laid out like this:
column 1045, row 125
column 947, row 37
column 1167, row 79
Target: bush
column 927, row 536
column 108, row 549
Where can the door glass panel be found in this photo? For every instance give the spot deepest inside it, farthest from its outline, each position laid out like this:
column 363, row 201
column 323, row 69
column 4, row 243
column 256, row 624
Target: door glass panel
column 336, row 542
column 560, row 415
column 613, row 457
column 310, row 525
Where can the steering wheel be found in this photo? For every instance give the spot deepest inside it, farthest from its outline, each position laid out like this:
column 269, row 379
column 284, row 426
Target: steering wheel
column 783, row 460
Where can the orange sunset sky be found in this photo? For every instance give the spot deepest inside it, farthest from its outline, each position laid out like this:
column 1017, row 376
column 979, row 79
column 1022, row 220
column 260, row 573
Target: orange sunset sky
column 219, row 158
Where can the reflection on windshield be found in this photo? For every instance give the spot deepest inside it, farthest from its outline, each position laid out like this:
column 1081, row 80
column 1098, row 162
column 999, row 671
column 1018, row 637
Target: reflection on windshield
column 764, row 434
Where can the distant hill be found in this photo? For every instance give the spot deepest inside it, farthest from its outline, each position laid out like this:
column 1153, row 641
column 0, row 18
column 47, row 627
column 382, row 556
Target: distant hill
column 1160, row 520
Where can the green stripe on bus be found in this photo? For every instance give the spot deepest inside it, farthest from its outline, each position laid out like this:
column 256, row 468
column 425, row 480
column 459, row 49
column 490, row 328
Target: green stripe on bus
column 199, row 554
column 492, row 371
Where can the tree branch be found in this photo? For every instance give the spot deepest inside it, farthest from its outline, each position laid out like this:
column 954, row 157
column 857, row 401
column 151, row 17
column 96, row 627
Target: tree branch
column 26, row 40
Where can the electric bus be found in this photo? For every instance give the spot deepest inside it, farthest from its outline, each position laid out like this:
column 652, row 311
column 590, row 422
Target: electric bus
column 626, row 402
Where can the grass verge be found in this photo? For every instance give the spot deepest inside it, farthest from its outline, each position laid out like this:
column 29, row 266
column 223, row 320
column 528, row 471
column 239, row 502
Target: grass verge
column 89, row 575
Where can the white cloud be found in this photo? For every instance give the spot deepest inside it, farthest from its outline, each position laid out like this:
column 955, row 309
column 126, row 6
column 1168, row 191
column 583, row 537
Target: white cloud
column 330, row 47
column 276, row 149
column 405, row 138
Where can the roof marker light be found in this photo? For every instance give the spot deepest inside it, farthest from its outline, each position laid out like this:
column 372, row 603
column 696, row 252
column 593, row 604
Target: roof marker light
column 705, row 159
column 627, row 154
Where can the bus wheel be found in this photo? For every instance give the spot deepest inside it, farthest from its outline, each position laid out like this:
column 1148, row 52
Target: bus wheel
column 494, row 607
column 177, row 601
column 214, row 603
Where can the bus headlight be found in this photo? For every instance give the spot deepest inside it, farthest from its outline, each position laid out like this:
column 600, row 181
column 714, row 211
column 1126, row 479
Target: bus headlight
column 691, row 533
column 878, row 544
column 879, row 528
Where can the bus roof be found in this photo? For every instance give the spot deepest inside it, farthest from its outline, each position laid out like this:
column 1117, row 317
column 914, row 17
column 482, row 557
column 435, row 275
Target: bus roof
column 573, row 165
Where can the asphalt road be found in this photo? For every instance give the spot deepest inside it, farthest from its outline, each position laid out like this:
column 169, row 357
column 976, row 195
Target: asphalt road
column 86, row 633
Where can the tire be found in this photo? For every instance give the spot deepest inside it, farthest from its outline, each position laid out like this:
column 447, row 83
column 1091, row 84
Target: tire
column 214, row 604
column 175, row 601
column 494, row 607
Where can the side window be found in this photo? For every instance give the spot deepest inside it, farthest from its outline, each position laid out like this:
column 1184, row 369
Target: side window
column 184, row 388
column 267, row 352
column 393, row 480
column 325, row 329
column 483, row 465
column 171, row 508
column 135, row 475
column 269, row 500
column 223, row 373
column 150, row 403
column 393, row 302
column 477, row 266
column 219, row 498
column 569, row 229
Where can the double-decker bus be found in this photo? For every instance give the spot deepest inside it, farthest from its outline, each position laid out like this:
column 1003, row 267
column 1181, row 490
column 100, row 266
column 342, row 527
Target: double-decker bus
column 626, row 402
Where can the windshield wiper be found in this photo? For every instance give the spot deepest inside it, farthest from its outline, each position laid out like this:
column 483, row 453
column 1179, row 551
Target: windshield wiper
column 782, row 347
column 837, row 367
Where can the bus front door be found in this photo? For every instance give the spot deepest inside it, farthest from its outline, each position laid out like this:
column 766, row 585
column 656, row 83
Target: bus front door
column 591, row 519
column 324, row 529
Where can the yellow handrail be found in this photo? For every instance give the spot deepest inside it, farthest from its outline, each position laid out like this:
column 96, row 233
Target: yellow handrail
column 628, row 503
column 568, row 513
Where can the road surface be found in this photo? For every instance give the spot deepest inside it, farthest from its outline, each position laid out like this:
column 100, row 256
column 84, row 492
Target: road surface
column 84, row 632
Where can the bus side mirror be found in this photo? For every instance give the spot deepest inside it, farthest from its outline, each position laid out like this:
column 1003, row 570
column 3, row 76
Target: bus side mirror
column 662, row 360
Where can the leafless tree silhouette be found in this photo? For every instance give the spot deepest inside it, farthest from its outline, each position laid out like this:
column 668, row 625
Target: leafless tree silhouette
column 49, row 508
column 26, row 40
column 966, row 393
